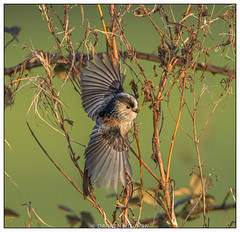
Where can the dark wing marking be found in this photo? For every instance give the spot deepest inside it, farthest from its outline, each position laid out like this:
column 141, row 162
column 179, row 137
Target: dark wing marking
column 107, row 157
column 99, row 85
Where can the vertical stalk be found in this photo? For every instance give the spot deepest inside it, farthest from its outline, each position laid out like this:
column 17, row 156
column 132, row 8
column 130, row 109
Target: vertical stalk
column 198, row 155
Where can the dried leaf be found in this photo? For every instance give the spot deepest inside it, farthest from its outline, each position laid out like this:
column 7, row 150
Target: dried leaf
column 134, row 88
column 195, row 183
column 10, row 213
column 133, row 203
column 65, row 208
column 61, row 71
column 13, row 31
column 150, row 199
column 8, row 100
column 73, row 220
column 187, row 208
column 70, row 122
column 182, row 191
column 136, row 189
column 210, row 200
column 148, row 194
column 87, row 217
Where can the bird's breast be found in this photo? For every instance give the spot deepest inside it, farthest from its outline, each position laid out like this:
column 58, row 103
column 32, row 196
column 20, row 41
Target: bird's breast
column 125, row 126
column 110, row 122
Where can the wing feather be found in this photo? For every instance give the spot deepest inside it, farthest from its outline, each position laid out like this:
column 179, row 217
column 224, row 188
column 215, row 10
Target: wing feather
column 110, row 66
column 99, row 84
column 102, row 173
column 122, row 174
column 109, row 173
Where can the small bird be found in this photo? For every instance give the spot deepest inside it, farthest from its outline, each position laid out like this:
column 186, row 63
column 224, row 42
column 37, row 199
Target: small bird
column 105, row 102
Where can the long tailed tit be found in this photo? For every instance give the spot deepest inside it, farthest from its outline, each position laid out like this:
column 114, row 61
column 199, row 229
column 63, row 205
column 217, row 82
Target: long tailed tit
column 113, row 110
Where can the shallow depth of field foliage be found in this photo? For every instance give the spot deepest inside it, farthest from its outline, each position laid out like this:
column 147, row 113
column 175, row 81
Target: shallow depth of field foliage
column 178, row 60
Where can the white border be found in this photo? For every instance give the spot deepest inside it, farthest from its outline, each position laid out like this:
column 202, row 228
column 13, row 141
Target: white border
column 112, row 2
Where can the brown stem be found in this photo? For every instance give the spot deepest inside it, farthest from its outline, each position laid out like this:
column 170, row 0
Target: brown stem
column 29, row 64
column 156, row 143
column 141, row 176
column 198, row 155
column 144, row 164
column 176, row 127
column 103, row 23
column 126, row 198
column 163, row 182
column 191, row 211
column 113, row 27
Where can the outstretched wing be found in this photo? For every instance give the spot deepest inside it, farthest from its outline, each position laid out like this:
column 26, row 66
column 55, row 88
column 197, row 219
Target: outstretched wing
column 99, row 85
column 107, row 158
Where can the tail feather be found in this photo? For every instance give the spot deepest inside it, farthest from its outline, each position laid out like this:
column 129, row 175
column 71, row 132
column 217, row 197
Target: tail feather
column 107, row 158
column 115, row 175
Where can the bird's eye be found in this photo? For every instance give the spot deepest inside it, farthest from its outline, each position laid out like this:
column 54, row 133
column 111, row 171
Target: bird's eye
column 128, row 107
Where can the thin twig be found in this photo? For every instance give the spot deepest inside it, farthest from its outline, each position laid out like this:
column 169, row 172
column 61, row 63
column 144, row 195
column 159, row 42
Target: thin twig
column 103, row 23
column 176, row 127
column 191, row 211
column 141, row 175
column 63, row 173
column 144, row 164
column 198, row 155
column 40, row 219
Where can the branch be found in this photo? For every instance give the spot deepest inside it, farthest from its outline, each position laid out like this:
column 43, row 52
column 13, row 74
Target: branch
column 163, row 216
column 29, row 64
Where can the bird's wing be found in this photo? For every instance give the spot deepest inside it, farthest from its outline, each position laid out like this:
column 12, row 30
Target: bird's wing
column 99, row 85
column 107, row 157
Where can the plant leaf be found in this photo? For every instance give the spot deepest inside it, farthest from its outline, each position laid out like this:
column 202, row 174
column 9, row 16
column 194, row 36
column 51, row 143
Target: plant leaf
column 10, row 213
column 182, row 191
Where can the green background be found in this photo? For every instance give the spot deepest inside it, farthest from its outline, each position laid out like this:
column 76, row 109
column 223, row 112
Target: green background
column 40, row 183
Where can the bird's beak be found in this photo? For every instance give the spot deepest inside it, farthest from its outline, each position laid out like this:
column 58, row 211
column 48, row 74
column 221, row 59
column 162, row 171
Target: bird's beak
column 136, row 111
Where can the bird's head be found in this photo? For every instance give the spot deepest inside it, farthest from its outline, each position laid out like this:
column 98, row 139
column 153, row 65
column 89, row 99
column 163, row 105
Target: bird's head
column 126, row 106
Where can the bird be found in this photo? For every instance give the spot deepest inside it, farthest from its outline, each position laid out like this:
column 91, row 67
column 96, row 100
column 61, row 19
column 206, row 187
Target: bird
column 113, row 110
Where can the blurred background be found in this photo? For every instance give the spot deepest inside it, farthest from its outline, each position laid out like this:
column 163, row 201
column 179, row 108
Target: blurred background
column 39, row 182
